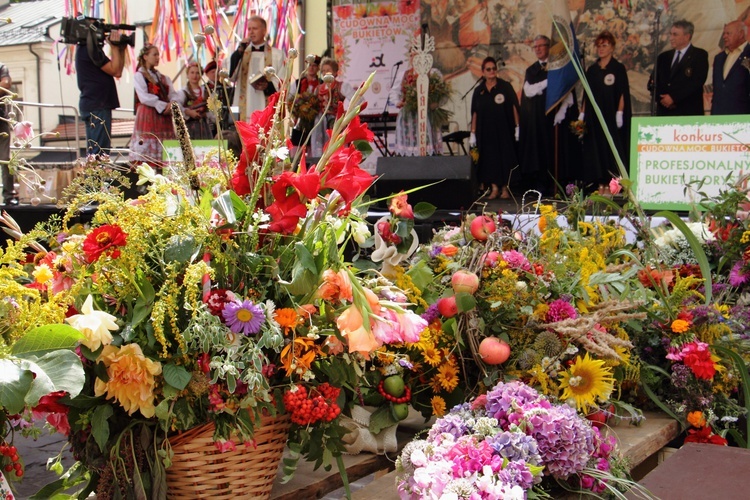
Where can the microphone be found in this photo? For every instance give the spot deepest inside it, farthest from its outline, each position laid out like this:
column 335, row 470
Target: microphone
column 659, row 9
column 399, row 63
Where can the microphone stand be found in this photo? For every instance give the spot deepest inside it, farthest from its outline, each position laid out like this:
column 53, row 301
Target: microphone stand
column 384, row 115
column 479, row 80
column 657, row 30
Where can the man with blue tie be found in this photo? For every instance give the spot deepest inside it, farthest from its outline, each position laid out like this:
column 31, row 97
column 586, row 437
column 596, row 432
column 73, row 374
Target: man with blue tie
column 732, row 73
column 680, row 74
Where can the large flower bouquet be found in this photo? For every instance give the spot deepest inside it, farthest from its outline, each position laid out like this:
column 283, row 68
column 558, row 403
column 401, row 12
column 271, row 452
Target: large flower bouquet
column 438, row 95
column 502, row 445
column 546, row 303
column 219, row 296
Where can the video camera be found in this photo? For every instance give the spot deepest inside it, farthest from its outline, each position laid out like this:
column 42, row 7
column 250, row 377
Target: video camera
column 76, row 30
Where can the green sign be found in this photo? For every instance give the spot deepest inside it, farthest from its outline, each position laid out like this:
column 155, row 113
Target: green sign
column 172, row 151
column 672, row 158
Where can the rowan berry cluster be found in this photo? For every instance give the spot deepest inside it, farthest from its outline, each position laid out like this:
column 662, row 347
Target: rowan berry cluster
column 11, row 452
column 317, row 404
column 403, row 399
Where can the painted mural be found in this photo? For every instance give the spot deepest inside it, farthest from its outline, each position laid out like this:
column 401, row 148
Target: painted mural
column 466, row 31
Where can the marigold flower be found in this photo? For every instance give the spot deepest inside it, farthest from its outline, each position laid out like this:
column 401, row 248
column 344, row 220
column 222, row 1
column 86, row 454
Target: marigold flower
column 680, row 326
column 131, row 378
column 696, row 419
column 298, row 355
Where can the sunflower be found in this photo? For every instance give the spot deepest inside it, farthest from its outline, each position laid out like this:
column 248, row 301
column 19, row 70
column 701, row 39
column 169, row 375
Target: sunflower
column 586, row 381
column 438, row 406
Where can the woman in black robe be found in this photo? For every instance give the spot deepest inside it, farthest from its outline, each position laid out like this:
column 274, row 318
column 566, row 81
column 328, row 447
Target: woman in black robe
column 494, row 121
column 608, row 80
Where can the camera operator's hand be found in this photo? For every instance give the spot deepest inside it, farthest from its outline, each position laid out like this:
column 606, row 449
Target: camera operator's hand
column 114, row 38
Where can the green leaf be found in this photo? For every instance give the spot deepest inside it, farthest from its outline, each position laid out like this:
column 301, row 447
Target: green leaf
column 100, row 426
column 176, row 376
column 423, row 210
column 181, row 248
column 14, row 384
column 47, row 338
column 145, row 301
column 305, row 258
column 363, row 147
column 657, row 401
column 465, row 302
column 55, row 371
column 74, row 476
column 382, row 418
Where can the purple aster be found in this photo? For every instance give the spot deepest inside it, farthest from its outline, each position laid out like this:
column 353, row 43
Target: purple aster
column 570, row 189
column 243, row 317
column 431, row 314
column 738, row 275
column 559, row 310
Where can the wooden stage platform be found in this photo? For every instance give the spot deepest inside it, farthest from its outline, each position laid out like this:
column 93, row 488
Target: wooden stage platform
column 640, row 445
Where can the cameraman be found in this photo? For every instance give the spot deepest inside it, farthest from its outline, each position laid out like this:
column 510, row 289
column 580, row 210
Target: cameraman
column 96, row 81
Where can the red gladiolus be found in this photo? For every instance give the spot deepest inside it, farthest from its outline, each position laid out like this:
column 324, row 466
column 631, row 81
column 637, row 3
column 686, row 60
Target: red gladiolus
column 285, row 214
column 104, row 240
column 358, row 131
column 343, row 174
column 240, row 181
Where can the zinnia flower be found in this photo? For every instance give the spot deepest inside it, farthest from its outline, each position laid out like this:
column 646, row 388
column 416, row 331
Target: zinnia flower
column 586, row 381
column 697, row 357
column 243, row 317
column 94, row 325
column 131, row 378
column 104, row 240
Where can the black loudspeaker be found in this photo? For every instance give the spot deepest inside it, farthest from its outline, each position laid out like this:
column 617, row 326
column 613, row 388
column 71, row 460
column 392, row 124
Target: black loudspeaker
column 28, row 216
column 456, row 186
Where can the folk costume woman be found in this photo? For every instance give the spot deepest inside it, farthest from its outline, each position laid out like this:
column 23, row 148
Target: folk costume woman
column 194, row 100
column 153, row 117
column 494, row 121
column 329, row 95
column 610, row 88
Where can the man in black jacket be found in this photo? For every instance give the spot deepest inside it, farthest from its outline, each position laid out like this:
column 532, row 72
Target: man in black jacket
column 732, row 73
column 680, row 74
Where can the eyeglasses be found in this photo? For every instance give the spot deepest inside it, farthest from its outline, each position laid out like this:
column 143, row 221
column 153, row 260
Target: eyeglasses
column 490, row 68
column 540, row 46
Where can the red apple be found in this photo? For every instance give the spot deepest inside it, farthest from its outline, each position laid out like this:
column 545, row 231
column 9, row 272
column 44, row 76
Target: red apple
column 598, row 419
column 447, row 306
column 494, row 351
column 464, row 281
column 481, row 227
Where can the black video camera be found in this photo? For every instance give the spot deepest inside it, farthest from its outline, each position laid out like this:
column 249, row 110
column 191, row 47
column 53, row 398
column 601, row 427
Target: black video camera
column 76, row 30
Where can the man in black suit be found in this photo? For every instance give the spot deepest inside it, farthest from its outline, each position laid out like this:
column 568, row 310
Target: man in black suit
column 680, row 74
column 732, row 73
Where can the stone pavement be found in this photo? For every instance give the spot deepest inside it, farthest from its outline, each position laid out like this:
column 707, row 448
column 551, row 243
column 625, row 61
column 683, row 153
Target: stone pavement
column 34, row 455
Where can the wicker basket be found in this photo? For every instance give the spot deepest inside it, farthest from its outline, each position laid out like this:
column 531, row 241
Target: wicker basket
column 199, row 470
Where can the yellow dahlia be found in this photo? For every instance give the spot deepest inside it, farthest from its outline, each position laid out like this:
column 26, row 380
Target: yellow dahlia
column 586, row 381
column 131, row 378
